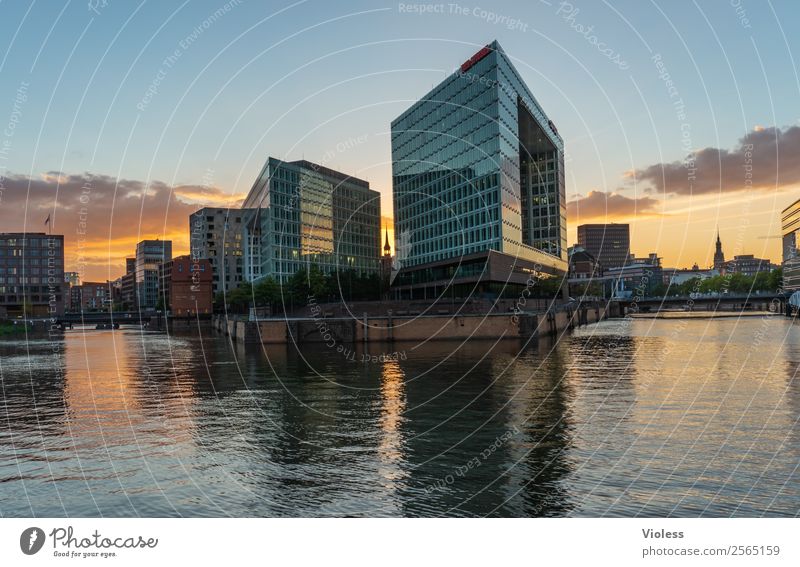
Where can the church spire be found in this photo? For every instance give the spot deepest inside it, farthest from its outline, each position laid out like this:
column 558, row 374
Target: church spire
column 387, row 250
column 719, row 256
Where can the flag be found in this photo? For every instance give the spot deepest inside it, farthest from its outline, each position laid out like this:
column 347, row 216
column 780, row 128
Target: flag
column 47, row 220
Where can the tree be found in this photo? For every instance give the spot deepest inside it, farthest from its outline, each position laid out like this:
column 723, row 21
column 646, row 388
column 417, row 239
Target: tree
column 267, row 292
column 658, row 290
column 308, row 283
column 548, row 287
column 775, row 281
column 219, row 302
column 238, row 300
column 587, row 288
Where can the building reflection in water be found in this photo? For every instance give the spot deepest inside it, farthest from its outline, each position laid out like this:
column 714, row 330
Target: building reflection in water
column 644, row 418
column 99, row 384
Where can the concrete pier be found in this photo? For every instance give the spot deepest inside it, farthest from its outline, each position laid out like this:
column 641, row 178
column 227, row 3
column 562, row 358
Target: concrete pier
column 389, row 327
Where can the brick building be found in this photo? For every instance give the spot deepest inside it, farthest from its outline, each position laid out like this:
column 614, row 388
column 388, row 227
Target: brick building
column 186, row 286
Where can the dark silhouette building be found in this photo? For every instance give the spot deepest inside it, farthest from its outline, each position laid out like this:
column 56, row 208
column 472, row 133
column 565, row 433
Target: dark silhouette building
column 719, row 255
column 747, row 265
column 32, row 274
column 610, row 244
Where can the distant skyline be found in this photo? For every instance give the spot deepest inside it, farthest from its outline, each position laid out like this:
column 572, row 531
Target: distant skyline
column 120, row 119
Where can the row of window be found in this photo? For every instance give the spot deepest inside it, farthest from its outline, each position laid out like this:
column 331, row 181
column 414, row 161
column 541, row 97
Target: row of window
column 15, row 299
column 13, row 263
column 41, row 242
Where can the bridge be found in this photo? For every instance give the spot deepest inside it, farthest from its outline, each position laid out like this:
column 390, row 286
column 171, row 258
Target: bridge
column 762, row 301
column 104, row 318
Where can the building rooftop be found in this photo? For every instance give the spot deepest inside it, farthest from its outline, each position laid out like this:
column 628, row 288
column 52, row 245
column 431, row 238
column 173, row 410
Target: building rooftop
column 328, row 172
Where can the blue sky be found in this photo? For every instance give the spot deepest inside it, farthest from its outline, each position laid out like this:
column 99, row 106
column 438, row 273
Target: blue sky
column 315, row 79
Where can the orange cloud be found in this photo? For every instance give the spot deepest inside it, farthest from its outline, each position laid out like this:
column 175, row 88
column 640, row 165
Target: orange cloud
column 609, row 206
column 102, row 218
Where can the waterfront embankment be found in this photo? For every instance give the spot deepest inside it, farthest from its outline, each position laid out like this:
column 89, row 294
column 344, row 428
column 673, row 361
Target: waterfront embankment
column 422, row 327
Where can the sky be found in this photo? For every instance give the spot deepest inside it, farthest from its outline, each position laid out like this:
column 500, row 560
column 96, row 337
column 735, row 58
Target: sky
column 119, row 119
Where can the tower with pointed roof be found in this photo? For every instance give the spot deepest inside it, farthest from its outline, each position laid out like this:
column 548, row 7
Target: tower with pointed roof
column 386, row 265
column 719, row 256
column 387, row 250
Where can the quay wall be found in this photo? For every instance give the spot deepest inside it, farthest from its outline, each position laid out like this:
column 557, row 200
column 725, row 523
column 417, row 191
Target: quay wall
column 387, row 328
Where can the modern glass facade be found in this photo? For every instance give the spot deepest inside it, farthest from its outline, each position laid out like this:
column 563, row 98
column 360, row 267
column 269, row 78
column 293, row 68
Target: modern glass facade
column 150, row 254
column 307, row 215
column 790, row 227
column 478, row 168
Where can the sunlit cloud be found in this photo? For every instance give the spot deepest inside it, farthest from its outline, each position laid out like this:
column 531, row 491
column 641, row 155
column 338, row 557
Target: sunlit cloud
column 102, row 218
column 764, row 159
column 610, row 206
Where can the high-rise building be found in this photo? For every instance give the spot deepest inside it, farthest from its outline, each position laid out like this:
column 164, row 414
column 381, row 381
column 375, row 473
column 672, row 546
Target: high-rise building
column 149, row 254
column 610, row 244
column 32, row 274
column 478, row 182
column 719, row 255
column 302, row 214
column 790, row 225
column 216, row 235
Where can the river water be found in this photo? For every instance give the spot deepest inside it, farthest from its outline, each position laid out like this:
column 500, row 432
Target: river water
column 624, row 418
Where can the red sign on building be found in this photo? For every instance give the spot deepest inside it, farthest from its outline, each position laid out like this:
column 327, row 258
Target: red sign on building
column 475, row 58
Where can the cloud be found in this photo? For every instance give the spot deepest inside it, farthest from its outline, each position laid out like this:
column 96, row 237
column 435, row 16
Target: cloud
column 101, row 217
column 601, row 204
column 766, row 158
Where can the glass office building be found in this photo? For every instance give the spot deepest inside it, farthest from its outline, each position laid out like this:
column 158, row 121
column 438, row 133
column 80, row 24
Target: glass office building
column 150, row 254
column 790, row 227
column 301, row 214
column 478, row 181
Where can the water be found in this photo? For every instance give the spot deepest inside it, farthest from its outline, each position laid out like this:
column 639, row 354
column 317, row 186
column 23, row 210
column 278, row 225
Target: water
column 625, row 418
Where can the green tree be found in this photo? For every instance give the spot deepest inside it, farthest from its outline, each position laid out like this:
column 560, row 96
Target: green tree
column 548, row 287
column 239, row 299
column 761, row 281
column 267, row 292
column 775, row 281
column 306, row 283
column 658, row 290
